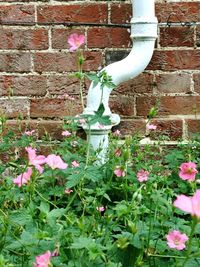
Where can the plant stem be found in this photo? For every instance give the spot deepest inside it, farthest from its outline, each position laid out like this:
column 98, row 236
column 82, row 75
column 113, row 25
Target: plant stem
column 88, row 147
column 194, row 223
column 45, row 199
column 80, row 56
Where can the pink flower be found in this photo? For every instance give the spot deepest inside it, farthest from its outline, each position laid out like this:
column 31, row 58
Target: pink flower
column 176, row 239
column 23, row 178
column 75, row 164
column 66, row 96
column 55, row 162
column 29, row 133
column 68, row 191
column 75, row 41
column 43, row 260
column 189, row 204
column 118, row 152
column 142, row 176
column 66, row 133
column 35, row 160
column 188, row 171
column 151, row 127
column 117, row 133
column 100, row 209
column 82, row 121
column 119, row 172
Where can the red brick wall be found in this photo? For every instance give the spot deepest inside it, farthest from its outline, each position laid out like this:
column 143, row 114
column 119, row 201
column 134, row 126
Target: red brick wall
column 35, row 62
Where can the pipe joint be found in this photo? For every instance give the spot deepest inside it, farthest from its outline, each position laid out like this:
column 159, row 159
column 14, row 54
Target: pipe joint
column 144, row 28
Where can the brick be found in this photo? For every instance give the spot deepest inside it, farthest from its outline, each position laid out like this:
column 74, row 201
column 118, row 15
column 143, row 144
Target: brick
column 141, row 84
column 61, row 61
column 15, row 62
column 23, row 1
column 108, row 37
column 33, row 85
column 17, row 14
column 165, row 12
column 60, row 36
column 175, row 60
column 193, row 126
column 173, row 129
column 53, row 128
column 64, row 84
column 52, row 107
column 176, row 12
column 121, row 13
column 197, row 83
column 84, row 13
column 23, row 39
column 169, row 105
column 113, row 56
column 173, row 83
column 130, row 127
column 198, row 36
column 177, row 36
column 14, row 107
column 41, row 127
column 123, row 106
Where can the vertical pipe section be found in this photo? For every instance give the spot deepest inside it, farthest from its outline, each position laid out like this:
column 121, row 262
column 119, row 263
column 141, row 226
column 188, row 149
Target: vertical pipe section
column 143, row 34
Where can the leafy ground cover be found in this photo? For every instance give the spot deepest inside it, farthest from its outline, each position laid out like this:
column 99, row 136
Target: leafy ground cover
column 60, row 208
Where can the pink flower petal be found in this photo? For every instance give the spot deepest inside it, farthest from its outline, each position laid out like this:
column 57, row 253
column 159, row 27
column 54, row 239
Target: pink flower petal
column 183, row 203
column 55, row 162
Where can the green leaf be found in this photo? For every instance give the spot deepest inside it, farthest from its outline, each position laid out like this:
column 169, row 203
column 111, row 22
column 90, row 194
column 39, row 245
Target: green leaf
column 44, row 207
column 100, row 110
column 55, row 213
column 20, row 217
column 74, row 179
column 82, row 242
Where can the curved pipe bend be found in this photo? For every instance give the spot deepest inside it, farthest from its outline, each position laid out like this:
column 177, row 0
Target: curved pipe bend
column 120, row 71
column 144, row 34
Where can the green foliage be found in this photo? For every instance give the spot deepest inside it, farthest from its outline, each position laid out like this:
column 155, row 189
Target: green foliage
column 59, row 209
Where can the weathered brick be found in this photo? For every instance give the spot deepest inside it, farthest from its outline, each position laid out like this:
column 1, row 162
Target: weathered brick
column 52, row 107
column 169, row 105
column 53, row 128
column 84, row 13
column 197, row 83
column 23, row 1
column 121, row 13
column 61, row 61
column 175, row 60
column 108, row 37
column 112, row 56
column 17, row 14
column 31, row 85
column 64, row 84
column 23, row 39
column 41, row 127
column 176, row 12
column 193, row 126
column 123, row 106
column 60, row 36
column 198, row 36
column 14, row 107
column 130, row 127
column 173, row 129
column 140, row 84
column 173, row 83
column 176, row 36
column 166, row 12
column 15, row 62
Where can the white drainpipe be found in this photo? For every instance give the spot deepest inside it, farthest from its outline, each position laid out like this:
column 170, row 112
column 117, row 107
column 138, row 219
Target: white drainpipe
column 143, row 33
